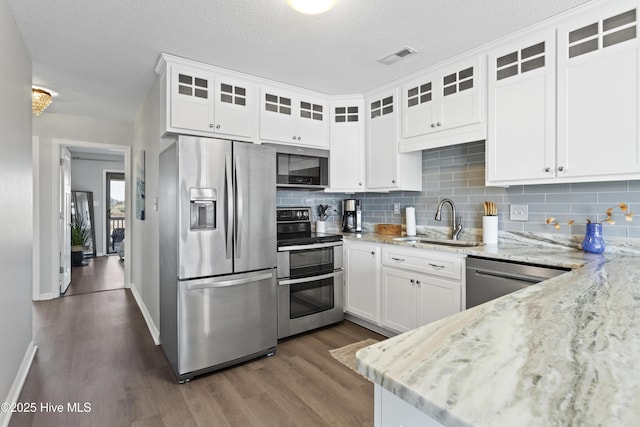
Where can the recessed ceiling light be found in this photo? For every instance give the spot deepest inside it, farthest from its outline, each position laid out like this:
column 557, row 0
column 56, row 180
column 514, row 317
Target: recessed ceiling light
column 397, row 56
column 311, row 7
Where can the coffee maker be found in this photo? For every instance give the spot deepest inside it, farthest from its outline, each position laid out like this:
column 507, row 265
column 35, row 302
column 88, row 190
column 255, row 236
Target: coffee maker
column 351, row 216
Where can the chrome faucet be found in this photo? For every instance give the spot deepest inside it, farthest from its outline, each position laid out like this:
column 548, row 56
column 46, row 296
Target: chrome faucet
column 457, row 220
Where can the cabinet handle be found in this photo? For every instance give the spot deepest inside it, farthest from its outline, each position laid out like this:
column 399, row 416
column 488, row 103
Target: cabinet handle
column 217, row 126
column 438, row 124
column 373, row 252
column 211, row 125
column 397, row 259
column 299, row 138
column 547, row 169
column 393, row 181
column 433, row 125
column 418, row 283
column 412, row 281
column 359, row 183
column 294, row 137
column 436, row 266
column 560, row 168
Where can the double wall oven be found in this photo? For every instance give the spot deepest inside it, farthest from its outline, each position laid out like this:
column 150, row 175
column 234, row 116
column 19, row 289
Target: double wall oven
column 310, row 277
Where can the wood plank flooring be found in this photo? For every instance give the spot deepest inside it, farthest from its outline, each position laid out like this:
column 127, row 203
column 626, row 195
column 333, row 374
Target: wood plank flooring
column 102, row 273
column 96, row 348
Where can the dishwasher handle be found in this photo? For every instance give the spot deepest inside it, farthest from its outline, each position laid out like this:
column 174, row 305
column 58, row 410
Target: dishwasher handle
column 512, row 276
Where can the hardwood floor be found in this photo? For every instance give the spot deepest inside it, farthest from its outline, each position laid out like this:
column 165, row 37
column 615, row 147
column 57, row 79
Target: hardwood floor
column 102, row 273
column 96, row 348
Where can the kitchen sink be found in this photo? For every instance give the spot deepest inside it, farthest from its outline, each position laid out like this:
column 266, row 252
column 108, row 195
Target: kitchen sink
column 446, row 242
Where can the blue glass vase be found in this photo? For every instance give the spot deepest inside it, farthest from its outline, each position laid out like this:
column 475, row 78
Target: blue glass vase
column 593, row 241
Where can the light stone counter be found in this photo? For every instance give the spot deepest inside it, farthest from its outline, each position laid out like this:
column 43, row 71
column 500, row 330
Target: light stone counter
column 562, row 352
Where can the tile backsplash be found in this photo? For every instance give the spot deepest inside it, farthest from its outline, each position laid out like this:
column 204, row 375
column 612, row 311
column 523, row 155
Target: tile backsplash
column 457, row 172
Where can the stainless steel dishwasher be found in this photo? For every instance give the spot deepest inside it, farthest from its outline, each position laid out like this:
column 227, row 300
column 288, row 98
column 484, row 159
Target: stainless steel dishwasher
column 488, row 279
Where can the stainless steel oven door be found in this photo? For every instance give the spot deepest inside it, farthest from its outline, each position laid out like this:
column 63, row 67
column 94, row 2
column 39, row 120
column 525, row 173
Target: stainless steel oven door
column 308, row 303
column 309, row 260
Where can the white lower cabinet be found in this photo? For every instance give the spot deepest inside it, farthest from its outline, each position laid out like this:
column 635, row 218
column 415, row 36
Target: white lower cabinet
column 419, row 287
column 362, row 280
column 399, row 305
column 401, row 288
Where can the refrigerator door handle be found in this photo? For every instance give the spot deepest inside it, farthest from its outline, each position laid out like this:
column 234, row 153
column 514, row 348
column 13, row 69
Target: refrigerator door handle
column 212, row 284
column 228, row 206
column 239, row 206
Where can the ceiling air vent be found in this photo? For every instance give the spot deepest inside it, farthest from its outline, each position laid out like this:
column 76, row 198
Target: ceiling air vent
column 397, row 56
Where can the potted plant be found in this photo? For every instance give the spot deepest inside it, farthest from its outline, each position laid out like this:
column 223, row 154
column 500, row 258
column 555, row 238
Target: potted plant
column 79, row 238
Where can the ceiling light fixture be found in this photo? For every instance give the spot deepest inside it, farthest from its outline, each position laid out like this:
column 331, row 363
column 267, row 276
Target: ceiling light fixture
column 40, row 100
column 311, row 7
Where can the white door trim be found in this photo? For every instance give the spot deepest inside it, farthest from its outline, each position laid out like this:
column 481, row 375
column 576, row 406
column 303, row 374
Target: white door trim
column 54, row 274
column 103, row 228
column 35, row 149
column 64, row 227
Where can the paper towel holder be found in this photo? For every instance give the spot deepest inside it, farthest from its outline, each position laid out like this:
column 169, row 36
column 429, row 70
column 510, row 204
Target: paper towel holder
column 410, row 212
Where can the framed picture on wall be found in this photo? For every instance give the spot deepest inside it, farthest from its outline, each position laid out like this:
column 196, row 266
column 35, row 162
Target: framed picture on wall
column 139, row 174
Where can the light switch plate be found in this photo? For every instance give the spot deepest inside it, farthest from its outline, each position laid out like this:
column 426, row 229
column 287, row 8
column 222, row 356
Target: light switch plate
column 519, row 212
column 396, row 208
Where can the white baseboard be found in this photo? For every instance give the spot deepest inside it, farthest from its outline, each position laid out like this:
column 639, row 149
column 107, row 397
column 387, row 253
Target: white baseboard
column 18, row 383
column 153, row 329
column 47, row 296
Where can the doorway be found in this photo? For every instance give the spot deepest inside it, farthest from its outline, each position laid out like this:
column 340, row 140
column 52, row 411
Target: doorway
column 51, row 283
column 101, row 173
column 115, row 205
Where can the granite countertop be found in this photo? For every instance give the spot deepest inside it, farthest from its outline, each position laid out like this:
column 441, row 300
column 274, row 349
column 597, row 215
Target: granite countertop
column 563, row 352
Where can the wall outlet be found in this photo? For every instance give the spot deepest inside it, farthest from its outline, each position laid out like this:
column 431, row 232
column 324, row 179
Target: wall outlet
column 519, row 212
column 396, row 208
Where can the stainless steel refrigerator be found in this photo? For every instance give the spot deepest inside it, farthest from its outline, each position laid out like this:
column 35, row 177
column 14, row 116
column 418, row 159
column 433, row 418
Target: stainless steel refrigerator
column 216, row 202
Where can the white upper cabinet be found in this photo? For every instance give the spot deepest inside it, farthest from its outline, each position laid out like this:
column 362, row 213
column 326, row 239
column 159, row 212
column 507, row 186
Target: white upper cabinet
column 347, row 161
column 292, row 118
column 598, row 94
column 521, row 139
column 235, row 107
column 570, row 119
column 201, row 102
column 387, row 169
column 444, row 107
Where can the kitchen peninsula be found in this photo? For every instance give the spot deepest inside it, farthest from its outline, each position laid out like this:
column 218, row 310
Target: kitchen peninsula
column 562, row 352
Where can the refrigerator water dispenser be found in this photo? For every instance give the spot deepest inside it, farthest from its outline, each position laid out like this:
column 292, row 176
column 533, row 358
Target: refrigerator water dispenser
column 203, row 208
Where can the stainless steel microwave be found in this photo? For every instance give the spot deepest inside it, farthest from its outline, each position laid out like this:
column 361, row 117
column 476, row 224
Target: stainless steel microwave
column 298, row 167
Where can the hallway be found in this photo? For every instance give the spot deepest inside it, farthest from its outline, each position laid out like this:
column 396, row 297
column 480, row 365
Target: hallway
column 96, row 348
column 102, row 273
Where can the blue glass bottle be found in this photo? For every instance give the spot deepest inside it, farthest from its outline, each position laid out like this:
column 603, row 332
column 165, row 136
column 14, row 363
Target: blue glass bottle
column 593, row 241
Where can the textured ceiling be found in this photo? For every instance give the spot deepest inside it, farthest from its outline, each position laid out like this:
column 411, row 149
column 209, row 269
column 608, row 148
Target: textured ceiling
column 100, row 55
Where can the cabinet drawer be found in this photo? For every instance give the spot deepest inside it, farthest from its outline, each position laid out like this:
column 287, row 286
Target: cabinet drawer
column 423, row 261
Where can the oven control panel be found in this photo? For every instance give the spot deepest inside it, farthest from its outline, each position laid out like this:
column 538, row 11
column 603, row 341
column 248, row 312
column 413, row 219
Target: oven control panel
column 293, row 215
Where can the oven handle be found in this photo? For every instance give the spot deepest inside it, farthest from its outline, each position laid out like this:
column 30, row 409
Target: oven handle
column 307, row 279
column 312, row 246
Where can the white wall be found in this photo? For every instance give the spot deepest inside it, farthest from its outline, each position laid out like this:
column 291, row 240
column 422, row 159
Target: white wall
column 47, row 127
column 16, row 193
column 88, row 175
column 145, row 251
